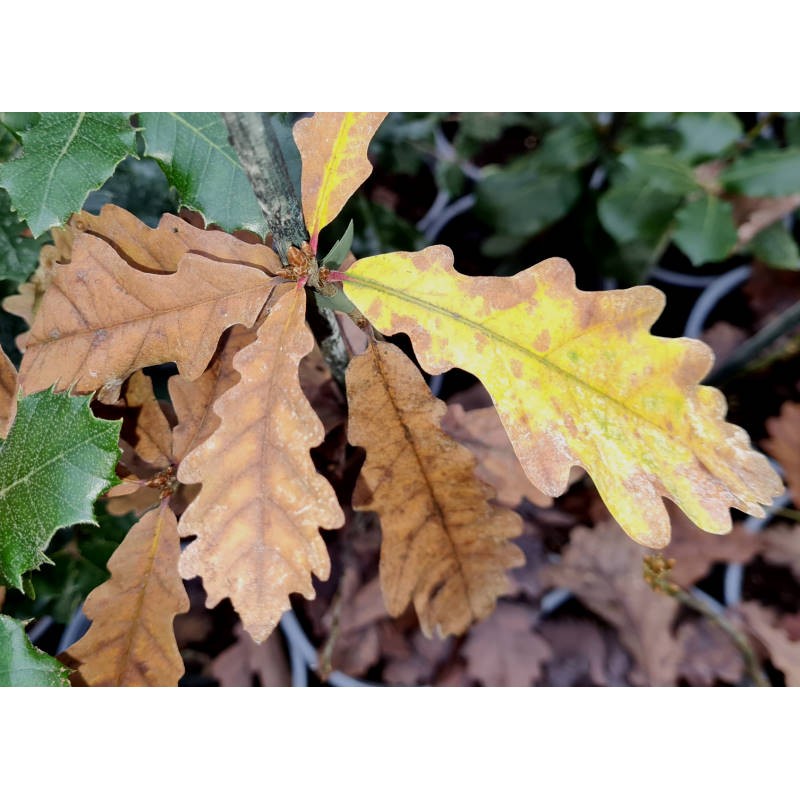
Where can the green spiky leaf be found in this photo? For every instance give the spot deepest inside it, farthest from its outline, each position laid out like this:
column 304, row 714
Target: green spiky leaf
column 22, row 664
column 65, row 156
column 193, row 151
column 57, row 459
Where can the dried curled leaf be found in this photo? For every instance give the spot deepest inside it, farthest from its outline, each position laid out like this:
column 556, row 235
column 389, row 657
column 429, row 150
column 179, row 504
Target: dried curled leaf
column 444, row 546
column 102, row 319
column 131, row 640
column 333, row 148
column 577, row 379
column 161, row 249
column 257, row 516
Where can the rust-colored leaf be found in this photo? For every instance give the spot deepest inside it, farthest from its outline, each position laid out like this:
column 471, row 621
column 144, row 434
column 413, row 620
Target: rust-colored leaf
column 8, row 394
column 102, row 319
column 784, row 445
column 261, row 504
column 333, row 148
column 131, row 640
column 445, row 547
column 604, row 570
column 578, row 379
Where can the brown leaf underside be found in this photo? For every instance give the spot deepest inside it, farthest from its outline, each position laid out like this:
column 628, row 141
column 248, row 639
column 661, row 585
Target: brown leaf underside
column 102, row 319
column 262, row 502
column 444, row 546
column 161, row 249
column 131, row 640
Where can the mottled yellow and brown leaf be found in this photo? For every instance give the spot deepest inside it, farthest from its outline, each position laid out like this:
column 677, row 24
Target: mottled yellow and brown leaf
column 131, row 640
column 161, row 249
column 333, row 148
column 261, row 504
column 102, row 319
column 445, row 547
column 8, row 394
column 578, row 379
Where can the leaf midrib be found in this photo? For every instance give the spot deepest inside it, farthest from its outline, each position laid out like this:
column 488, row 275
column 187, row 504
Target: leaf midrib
column 492, row 334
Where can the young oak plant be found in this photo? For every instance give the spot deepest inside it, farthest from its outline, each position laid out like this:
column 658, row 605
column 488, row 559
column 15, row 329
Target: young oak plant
column 576, row 378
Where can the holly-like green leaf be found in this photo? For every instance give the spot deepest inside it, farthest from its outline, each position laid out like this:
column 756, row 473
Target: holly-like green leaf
column 707, row 133
column 65, row 156
column 193, row 151
column 57, row 459
column 18, row 253
column 776, row 247
column 22, row 664
column 705, row 230
column 769, row 173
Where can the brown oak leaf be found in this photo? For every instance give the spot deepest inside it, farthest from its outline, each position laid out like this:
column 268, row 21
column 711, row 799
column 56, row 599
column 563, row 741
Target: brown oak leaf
column 445, row 547
column 101, row 319
column 131, row 640
column 244, row 660
column 258, row 513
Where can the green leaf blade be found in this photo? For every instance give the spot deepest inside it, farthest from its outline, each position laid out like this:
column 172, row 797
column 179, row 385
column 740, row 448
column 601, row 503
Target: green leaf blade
column 770, row 173
column 65, row 156
column 22, row 664
column 193, row 151
column 57, row 459
column 18, row 253
column 705, row 230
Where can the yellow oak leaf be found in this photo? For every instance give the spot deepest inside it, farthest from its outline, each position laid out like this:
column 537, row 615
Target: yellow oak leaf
column 102, row 319
column 333, row 149
column 577, row 378
column 262, row 502
column 445, row 547
column 131, row 640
